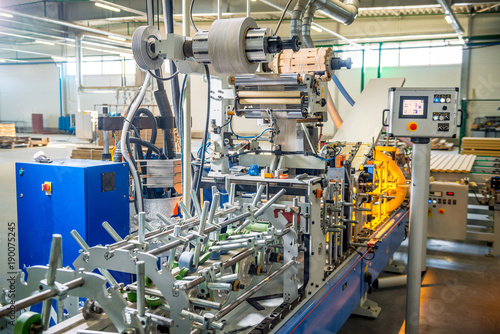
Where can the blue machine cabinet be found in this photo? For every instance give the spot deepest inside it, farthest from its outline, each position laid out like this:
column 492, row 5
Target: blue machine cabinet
column 68, row 195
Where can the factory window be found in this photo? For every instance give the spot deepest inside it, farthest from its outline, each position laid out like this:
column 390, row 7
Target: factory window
column 102, row 66
column 414, row 53
column 393, row 54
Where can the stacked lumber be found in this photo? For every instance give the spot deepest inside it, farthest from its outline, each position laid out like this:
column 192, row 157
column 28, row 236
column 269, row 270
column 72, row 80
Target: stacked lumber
column 13, row 142
column 441, row 144
column 7, row 130
column 452, row 163
column 39, row 142
column 88, row 153
column 481, row 146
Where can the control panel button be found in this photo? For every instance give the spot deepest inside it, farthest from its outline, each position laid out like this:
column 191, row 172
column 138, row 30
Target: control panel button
column 412, row 126
column 47, row 187
column 441, row 211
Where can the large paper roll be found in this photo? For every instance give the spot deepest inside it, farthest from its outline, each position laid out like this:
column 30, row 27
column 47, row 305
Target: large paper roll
column 226, row 46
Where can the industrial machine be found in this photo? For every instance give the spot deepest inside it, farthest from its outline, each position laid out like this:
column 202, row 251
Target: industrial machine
column 308, row 225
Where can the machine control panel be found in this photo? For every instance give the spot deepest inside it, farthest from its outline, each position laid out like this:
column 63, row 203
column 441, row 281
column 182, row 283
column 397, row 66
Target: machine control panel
column 423, row 112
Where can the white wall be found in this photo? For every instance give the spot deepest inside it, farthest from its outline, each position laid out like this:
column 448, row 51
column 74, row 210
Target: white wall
column 29, row 89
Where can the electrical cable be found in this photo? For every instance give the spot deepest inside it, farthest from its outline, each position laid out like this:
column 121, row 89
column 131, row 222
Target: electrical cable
column 342, row 90
column 199, row 172
column 153, row 147
column 191, row 16
column 282, row 17
column 245, row 137
column 163, row 79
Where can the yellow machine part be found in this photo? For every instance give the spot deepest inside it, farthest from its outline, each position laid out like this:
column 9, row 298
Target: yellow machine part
column 391, row 182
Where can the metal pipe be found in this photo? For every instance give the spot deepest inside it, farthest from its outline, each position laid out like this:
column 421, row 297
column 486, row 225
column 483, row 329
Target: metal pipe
column 343, row 12
column 66, row 24
column 296, row 21
column 418, row 218
column 389, row 282
column 252, row 291
column 269, row 203
column 306, row 26
column 186, row 120
column 39, row 297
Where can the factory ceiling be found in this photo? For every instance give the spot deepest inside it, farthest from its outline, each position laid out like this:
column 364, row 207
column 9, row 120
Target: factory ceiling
column 36, row 30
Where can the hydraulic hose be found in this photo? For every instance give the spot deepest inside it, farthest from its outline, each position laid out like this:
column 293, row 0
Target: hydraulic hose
column 342, row 90
column 123, row 142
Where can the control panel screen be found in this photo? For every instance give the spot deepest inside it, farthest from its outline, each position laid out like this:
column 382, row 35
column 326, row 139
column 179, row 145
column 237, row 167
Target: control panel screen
column 413, row 107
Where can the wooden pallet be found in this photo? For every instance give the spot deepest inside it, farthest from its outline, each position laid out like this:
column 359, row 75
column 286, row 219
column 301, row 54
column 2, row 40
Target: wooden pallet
column 481, row 146
column 39, row 142
column 7, row 130
column 14, row 142
column 452, row 163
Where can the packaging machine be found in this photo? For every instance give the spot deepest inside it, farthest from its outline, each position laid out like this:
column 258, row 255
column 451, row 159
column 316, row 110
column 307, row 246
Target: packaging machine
column 307, row 225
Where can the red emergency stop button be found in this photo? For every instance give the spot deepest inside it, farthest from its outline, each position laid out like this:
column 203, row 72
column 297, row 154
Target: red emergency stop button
column 441, row 211
column 47, row 187
column 412, row 126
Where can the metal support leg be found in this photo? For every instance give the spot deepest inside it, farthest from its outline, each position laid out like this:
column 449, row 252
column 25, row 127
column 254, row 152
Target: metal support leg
column 418, row 219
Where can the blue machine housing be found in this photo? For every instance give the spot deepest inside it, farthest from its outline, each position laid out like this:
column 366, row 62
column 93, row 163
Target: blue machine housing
column 85, row 193
column 332, row 305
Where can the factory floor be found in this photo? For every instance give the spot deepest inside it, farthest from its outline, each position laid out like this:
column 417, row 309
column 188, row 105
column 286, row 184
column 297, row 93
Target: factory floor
column 460, row 292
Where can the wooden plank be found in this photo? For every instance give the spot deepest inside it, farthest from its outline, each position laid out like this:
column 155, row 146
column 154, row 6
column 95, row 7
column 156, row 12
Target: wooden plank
column 439, row 158
column 484, row 153
column 443, row 163
column 449, row 165
column 468, row 163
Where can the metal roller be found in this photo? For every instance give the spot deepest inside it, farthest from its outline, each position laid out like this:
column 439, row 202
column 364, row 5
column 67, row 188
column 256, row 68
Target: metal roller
column 141, row 47
column 226, row 46
column 270, row 101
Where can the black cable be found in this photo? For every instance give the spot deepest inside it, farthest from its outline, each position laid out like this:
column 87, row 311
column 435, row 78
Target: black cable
column 282, row 16
column 161, row 78
column 154, row 126
column 191, row 16
column 153, row 147
column 199, row 173
column 362, row 255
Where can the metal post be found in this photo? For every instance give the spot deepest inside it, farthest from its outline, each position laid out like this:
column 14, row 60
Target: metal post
column 55, row 250
column 248, row 8
column 186, row 120
column 141, row 293
column 141, row 228
column 418, row 220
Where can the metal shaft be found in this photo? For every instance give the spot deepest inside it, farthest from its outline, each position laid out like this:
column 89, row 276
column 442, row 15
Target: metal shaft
column 418, row 219
column 55, row 250
column 141, row 293
column 142, row 227
column 112, row 231
column 39, row 297
column 252, row 291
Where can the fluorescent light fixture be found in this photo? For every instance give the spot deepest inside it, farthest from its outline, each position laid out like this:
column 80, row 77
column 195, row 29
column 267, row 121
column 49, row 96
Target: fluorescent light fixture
column 316, row 29
column 43, row 42
column 108, row 7
column 117, row 38
column 2, row 60
column 6, row 15
column 448, row 19
column 58, row 58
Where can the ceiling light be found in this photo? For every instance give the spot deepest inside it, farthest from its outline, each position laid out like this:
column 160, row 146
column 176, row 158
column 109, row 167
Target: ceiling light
column 316, row 29
column 448, row 19
column 58, row 58
column 2, row 60
column 43, row 42
column 6, row 15
column 108, row 7
column 117, row 38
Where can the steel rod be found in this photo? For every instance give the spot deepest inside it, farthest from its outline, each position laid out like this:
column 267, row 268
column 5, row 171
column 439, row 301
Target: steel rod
column 252, row 291
column 39, row 297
